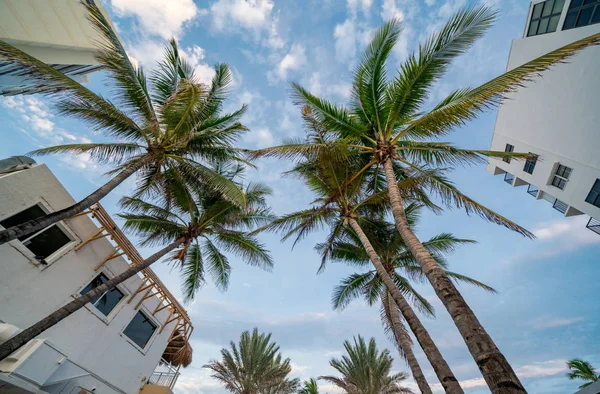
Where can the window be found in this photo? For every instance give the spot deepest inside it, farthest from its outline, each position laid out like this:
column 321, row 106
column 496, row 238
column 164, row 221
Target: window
column 107, row 301
column 582, row 13
column 530, row 165
column 508, row 148
column 43, row 243
column 561, row 176
column 594, row 195
column 545, row 17
column 140, row 329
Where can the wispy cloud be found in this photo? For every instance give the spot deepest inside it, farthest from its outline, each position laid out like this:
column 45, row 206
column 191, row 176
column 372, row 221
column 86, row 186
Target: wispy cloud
column 553, row 322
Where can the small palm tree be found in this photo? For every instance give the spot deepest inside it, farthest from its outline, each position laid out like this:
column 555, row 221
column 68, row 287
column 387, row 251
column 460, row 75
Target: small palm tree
column 309, row 387
column 403, row 268
column 582, row 370
column 390, row 126
column 199, row 227
column 167, row 121
column 366, row 370
column 255, row 366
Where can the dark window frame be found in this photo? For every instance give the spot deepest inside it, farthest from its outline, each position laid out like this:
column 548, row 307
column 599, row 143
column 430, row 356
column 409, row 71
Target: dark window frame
column 593, row 196
column 561, row 176
column 547, row 19
column 146, row 319
column 580, row 9
column 67, row 236
column 530, row 165
column 104, row 296
column 508, row 148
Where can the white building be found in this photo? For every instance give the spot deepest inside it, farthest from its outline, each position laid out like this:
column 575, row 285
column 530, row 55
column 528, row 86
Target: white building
column 556, row 116
column 54, row 31
column 114, row 345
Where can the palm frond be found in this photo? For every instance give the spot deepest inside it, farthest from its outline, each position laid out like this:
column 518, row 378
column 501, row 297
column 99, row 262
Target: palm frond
column 249, row 248
column 114, row 153
column 192, row 273
column 218, row 264
column 349, row 289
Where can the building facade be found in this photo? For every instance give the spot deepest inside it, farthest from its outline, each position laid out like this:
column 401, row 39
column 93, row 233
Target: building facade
column 555, row 116
column 131, row 338
column 54, row 31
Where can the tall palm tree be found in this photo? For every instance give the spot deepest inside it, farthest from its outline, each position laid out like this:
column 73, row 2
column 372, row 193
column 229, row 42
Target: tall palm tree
column 388, row 124
column 199, row 227
column 366, row 370
column 167, row 121
column 582, row 370
column 255, row 366
column 338, row 209
column 402, row 266
column 309, row 387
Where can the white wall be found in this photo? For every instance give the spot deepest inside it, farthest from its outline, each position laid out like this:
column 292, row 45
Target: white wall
column 555, row 116
column 29, row 291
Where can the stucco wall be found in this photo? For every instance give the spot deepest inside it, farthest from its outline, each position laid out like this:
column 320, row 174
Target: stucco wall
column 29, row 291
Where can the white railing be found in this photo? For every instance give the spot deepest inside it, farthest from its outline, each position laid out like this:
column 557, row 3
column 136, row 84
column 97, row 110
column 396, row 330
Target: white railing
column 164, row 375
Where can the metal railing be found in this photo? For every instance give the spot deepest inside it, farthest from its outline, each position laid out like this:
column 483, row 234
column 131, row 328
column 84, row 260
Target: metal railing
column 560, row 206
column 594, row 225
column 508, row 178
column 532, row 190
column 164, row 375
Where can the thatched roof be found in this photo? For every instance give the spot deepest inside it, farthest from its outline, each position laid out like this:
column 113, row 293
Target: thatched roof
column 178, row 351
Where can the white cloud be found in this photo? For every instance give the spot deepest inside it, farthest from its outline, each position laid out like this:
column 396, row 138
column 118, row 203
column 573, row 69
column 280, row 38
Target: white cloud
column 345, row 40
column 450, row 7
column 293, row 60
column 553, row 322
column 260, row 136
column 159, row 17
column 430, row 2
column 195, row 56
column 389, row 10
column 337, row 89
column 364, row 4
column 299, row 369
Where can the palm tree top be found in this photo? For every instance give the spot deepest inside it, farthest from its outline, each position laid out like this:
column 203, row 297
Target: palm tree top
column 582, row 370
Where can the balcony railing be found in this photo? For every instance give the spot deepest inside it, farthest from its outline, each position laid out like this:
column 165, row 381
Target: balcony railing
column 532, row 190
column 560, row 206
column 594, row 225
column 508, row 178
column 164, row 375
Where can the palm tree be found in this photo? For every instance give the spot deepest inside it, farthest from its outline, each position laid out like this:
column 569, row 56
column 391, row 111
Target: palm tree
column 338, row 209
column 309, row 387
column 167, row 121
column 583, row 370
column 388, row 124
column 366, row 370
column 254, row 366
column 199, row 227
column 402, row 266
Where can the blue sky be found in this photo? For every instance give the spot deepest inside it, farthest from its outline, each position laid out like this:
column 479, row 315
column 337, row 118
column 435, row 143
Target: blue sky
column 546, row 310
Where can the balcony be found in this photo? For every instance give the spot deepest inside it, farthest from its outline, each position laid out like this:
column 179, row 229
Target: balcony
column 532, row 190
column 560, row 206
column 509, row 178
column 594, row 225
column 164, row 375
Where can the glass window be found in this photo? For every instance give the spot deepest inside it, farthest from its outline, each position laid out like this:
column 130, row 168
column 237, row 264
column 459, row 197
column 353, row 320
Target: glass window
column 594, row 195
column 582, row 13
column 508, row 148
column 530, row 165
column 43, row 243
column 140, row 329
column 545, row 17
column 106, row 302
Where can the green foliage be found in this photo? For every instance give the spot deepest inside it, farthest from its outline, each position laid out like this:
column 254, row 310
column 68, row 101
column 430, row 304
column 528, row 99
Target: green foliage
column 309, row 387
column 254, row 366
column 582, row 370
column 366, row 370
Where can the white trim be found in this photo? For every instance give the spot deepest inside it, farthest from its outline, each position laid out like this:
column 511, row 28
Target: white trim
column 106, row 319
column 150, row 341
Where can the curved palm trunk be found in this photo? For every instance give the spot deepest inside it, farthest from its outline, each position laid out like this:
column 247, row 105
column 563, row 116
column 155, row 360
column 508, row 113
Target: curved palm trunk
column 404, row 343
column 30, row 333
column 40, row 223
column 497, row 372
column 441, row 368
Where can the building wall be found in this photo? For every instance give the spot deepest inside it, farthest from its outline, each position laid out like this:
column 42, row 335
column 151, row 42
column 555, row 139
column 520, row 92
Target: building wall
column 555, row 116
column 30, row 291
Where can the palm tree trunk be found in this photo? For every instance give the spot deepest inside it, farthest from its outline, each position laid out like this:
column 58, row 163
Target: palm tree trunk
column 42, row 222
column 497, row 372
column 28, row 334
column 404, row 344
column 440, row 366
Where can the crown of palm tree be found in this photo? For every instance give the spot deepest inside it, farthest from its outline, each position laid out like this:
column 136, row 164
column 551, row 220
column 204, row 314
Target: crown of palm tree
column 366, row 370
column 582, row 370
column 209, row 227
column 254, row 366
column 309, row 387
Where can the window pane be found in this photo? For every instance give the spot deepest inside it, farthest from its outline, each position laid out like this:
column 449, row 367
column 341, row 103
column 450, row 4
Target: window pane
column 570, row 20
column 533, row 28
column 575, row 3
column 558, row 6
column 584, row 17
column 548, row 8
column 47, row 242
column 586, row 2
column 97, row 281
column 30, row 213
column 596, row 17
column 140, row 329
column 108, row 301
column 537, row 10
column 543, row 26
column 596, row 186
column 553, row 23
